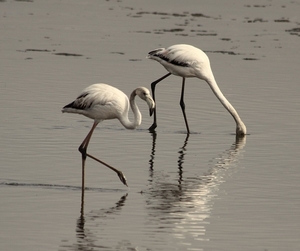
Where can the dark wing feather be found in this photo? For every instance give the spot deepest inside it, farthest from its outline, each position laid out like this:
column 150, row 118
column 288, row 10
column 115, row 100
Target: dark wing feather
column 81, row 102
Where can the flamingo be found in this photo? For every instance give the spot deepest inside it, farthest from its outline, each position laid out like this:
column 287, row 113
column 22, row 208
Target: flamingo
column 102, row 102
column 188, row 61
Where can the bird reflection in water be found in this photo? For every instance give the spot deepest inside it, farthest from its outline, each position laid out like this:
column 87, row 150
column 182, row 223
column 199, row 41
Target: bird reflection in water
column 151, row 161
column 183, row 209
column 180, row 161
column 87, row 237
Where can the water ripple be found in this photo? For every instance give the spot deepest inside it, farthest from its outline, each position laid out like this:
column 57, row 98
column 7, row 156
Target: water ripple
column 58, row 187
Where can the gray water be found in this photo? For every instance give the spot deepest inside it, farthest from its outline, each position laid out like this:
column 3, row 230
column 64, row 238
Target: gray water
column 205, row 192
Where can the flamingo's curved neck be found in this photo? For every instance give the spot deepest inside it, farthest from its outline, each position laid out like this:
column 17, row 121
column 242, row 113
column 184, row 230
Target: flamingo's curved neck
column 136, row 112
column 240, row 126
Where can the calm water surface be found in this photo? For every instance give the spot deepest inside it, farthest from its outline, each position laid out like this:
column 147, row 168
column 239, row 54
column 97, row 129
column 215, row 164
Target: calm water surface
column 205, row 192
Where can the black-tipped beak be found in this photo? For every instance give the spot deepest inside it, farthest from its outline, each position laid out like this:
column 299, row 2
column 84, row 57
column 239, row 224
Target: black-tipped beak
column 151, row 110
column 151, row 105
column 122, row 178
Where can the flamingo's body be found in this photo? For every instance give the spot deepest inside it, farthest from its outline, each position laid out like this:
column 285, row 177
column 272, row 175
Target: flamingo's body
column 188, row 61
column 102, row 102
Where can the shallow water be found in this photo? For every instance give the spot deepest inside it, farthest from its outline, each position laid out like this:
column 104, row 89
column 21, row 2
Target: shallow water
column 204, row 192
